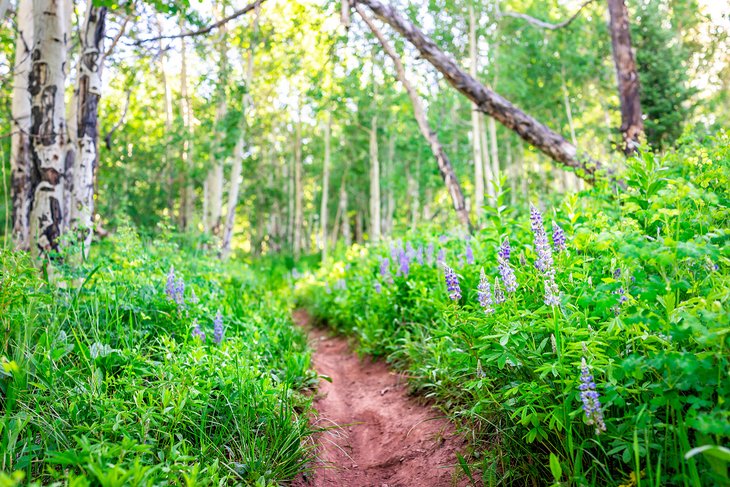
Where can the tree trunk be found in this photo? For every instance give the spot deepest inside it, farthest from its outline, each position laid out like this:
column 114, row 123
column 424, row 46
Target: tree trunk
column 390, row 188
column 444, row 165
column 167, row 159
column 48, row 140
column 298, row 189
column 486, row 161
column 476, row 140
column 414, row 192
column 374, row 183
column 632, row 125
column 188, row 191
column 494, row 148
column 346, row 234
column 494, row 105
column 20, row 159
column 88, row 93
column 324, row 207
column 214, row 180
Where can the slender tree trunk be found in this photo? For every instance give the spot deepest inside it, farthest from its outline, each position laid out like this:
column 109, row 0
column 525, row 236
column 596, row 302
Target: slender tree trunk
column 346, row 234
column 390, row 192
column 48, row 140
column 4, row 4
column 374, row 183
column 494, row 148
column 476, row 139
column 524, row 169
column 444, row 165
column 298, row 189
column 427, row 197
column 20, row 157
column 632, row 125
column 88, row 93
column 188, row 191
column 324, row 208
column 214, row 181
column 414, row 191
column 486, row 161
column 359, row 226
column 494, row 105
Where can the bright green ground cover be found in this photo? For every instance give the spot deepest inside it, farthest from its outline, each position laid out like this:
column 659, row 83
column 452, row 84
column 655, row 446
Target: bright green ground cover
column 107, row 384
column 644, row 300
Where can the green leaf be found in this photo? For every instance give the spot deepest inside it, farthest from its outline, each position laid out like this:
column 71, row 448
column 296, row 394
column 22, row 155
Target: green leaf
column 555, row 467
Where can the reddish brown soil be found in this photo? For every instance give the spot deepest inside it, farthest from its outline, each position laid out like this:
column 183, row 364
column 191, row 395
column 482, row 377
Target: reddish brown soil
column 379, row 435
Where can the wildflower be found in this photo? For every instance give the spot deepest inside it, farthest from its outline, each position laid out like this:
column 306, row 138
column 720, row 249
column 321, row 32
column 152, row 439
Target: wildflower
column 617, row 273
column 218, row 328
column 170, row 286
column 429, row 254
column 452, row 283
column 340, row 285
column 480, row 370
column 441, row 258
column 469, row 253
column 590, row 398
column 328, row 289
column 404, row 263
column 419, row 255
column 544, row 261
column 193, row 297
column 385, row 270
column 410, row 251
column 504, row 250
column 378, row 287
column 393, row 251
column 485, row 293
column 197, row 332
column 552, row 293
column 443, row 239
column 498, row 293
column 179, row 293
column 558, row 238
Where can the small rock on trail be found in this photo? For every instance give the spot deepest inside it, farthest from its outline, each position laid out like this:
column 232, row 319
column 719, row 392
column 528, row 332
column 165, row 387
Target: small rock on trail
column 380, row 436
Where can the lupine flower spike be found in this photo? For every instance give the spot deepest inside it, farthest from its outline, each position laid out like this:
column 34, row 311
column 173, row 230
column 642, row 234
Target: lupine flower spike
column 505, row 270
column 485, row 293
column 590, row 398
column 218, row 328
column 558, row 238
column 469, row 253
column 197, row 332
column 544, row 261
column 452, row 283
column 499, row 297
column 170, row 286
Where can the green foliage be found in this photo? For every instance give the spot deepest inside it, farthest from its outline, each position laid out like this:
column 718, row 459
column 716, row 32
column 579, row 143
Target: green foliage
column 104, row 383
column 645, row 287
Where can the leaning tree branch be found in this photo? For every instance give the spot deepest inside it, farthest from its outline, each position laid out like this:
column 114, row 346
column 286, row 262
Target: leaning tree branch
column 444, row 164
column 541, row 23
column 108, row 136
column 527, row 127
column 205, row 30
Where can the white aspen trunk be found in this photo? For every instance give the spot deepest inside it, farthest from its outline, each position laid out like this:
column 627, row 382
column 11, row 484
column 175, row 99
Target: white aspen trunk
column 324, row 208
column 48, row 140
column 374, row 183
column 359, row 227
column 214, row 181
column 4, row 4
column 298, row 189
column 188, row 191
column 414, row 192
column 168, row 118
column 390, row 193
column 345, row 13
column 86, row 135
column 239, row 152
column 427, row 197
column 346, row 234
column 494, row 149
column 486, row 164
column 20, row 159
column 476, row 141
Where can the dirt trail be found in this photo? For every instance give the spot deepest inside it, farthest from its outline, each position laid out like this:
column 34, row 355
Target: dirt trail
column 382, row 437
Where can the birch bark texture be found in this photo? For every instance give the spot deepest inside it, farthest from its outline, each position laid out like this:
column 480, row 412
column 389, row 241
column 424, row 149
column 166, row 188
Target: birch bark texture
column 528, row 128
column 87, row 95
column 444, row 164
column 20, row 160
column 48, row 138
column 632, row 124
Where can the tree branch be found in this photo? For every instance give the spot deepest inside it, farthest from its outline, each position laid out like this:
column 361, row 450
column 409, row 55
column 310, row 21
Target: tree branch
column 541, row 23
column 207, row 29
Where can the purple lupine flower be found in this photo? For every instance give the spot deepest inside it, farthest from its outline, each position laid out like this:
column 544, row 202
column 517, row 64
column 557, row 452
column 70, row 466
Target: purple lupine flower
column 441, row 258
column 328, row 289
column 622, row 296
column 404, row 264
column 558, row 238
column 341, row 284
column 385, row 270
column 617, row 273
column 218, row 328
column 484, row 292
column 378, row 287
column 499, row 297
column 552, row 293
column 504, row 250
column 590, row 398
column 443, row 238
column 469, row 253
column 410, row 251
column 170, row 285
column 393, row 251
column 179, row 294
column 505, row 270
column 419, row 255
column 193, row 297
column 429, row 254
column 452, row 283
column 544, row 252
column 197, row 332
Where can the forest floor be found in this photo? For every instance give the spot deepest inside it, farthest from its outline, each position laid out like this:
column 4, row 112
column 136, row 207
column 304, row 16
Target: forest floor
column 377, row 434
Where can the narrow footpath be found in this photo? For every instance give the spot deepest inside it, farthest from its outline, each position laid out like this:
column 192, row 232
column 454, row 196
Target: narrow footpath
column 379, row 435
